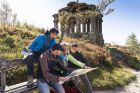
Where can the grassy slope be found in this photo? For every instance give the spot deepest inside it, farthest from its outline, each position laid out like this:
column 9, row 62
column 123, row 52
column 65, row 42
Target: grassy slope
column 109, row 75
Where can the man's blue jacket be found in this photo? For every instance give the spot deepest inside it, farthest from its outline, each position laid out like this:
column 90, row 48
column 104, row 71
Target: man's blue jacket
column 40, row 41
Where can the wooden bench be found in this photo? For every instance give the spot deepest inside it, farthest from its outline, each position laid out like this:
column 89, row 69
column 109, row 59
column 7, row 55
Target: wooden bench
column 6, row 65
column 17, row 88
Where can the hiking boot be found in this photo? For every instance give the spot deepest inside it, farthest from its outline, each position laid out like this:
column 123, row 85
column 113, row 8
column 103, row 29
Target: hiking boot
column 30, row 81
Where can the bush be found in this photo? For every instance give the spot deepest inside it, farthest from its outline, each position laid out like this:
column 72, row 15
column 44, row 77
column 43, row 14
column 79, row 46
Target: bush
column 77, row 35
column 18, row 75
column 26, row 35
column 10, row 42
column 133, row 63
column 12, row 55
column 4, row 48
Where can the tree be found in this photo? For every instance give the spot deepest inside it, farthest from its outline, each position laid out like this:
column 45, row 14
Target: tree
column 5, row 13
column 102, row 7
column 63, row 28
column 14, row 19
column 133, row 43
column 18, row 24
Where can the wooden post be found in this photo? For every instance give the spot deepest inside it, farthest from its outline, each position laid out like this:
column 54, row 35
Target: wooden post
column 3, row 76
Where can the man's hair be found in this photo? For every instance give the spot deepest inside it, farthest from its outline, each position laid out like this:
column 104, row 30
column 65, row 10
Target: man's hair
column 57, row 46
column 53, row 30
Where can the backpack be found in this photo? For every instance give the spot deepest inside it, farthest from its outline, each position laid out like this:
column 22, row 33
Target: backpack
column 70, row 87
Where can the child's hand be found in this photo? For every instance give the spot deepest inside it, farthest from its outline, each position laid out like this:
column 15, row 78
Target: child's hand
column 86, row 67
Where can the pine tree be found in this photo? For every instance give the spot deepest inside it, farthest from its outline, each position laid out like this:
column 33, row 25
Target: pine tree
column 133, row 43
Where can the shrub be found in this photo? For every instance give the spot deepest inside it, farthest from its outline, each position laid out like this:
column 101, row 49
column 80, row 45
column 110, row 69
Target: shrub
column 76, row 35
column 4, row 48
column 133, row 63
column 18, row 75
column 10, row 42
column 26, row 35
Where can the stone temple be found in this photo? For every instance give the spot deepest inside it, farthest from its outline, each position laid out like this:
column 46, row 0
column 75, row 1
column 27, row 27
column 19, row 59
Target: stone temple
column 92, row 28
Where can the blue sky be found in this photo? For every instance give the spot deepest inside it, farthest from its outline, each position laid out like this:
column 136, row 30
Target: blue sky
column 117, row 26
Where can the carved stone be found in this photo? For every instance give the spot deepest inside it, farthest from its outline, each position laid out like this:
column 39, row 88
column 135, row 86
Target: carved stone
column 72, row 29
column 88, row 27
column 55, row 21
column 78, row 26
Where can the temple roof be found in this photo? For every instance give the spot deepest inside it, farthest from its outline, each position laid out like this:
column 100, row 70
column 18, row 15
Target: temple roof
column 74, row 7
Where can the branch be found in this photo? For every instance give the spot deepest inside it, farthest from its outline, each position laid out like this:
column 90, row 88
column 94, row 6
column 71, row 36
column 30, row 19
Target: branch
column 108, row 11
column 104, row 4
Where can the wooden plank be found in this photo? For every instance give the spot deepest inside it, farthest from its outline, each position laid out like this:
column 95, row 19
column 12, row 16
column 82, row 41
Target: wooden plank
column 18, row 88
column 2, row 77
column 10, row 63
column 3, row 81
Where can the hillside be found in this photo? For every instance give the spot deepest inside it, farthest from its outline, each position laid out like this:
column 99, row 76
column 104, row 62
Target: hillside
column 114, row 63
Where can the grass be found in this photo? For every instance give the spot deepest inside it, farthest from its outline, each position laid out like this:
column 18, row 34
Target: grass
column 108, row 79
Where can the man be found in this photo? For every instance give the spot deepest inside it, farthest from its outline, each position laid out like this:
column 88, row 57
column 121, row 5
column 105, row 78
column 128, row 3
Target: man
column 40, row 44
column 67, row 57
column 49, row 74
column 78, row 55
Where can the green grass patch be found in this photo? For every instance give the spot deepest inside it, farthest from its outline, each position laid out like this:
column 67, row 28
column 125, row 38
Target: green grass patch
column 11, row 55
column 133, row 63
column 109, row 79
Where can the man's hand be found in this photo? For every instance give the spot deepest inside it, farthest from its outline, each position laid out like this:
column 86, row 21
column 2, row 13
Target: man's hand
column 86, row 67
column 64, row 78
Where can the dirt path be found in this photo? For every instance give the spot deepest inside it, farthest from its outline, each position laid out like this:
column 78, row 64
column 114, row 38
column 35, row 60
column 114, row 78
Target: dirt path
column 133, row 87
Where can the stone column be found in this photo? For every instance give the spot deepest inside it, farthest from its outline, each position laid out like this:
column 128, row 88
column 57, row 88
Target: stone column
column 84, row 27
column 100, row 25
column 67, row 31
column 100, row 40
column 72, row 28
column 78, row 26
column 93, row 24
column 93, row 29
column 88, row 27
column 55, row 21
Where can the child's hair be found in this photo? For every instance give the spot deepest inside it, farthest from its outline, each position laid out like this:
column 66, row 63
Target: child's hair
column 74, row 45
column 63, row 44
column 57, row 46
